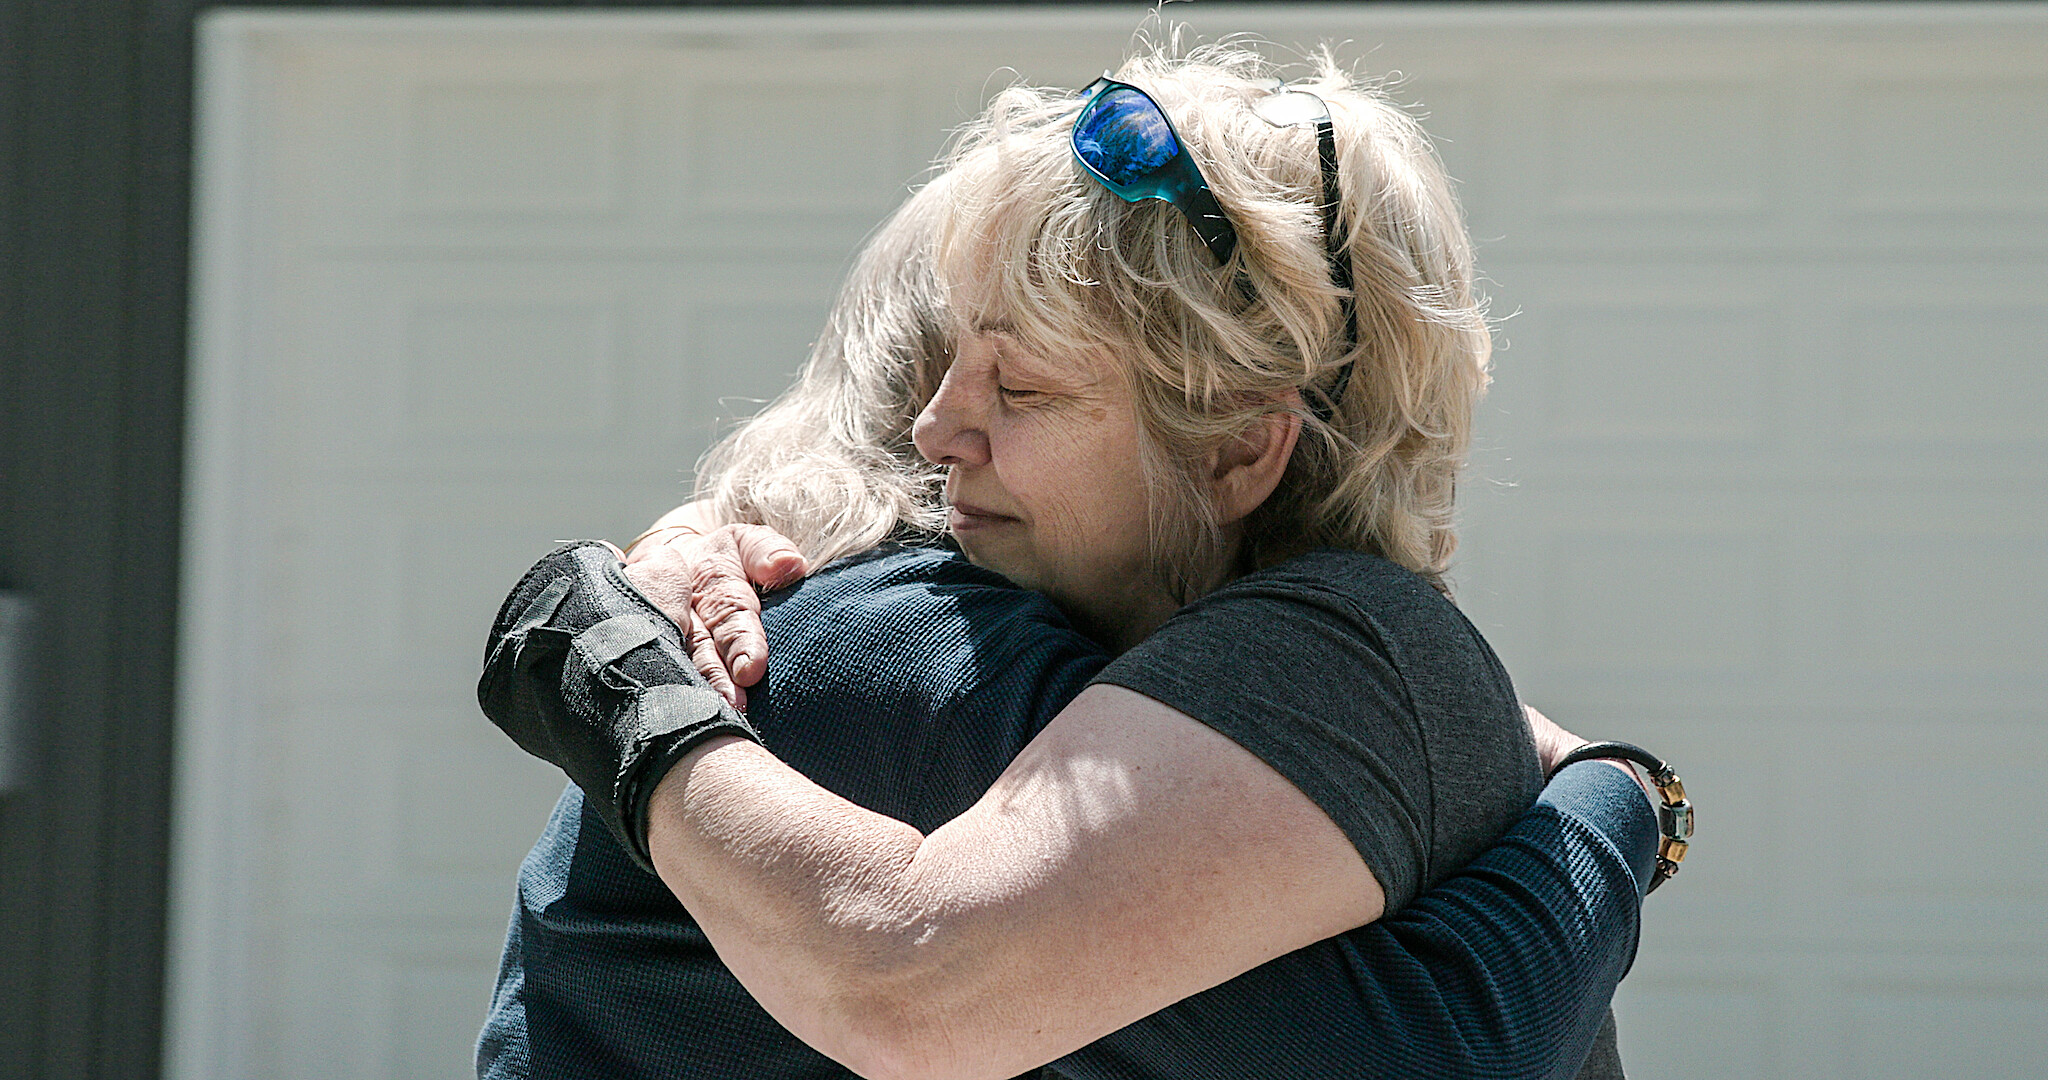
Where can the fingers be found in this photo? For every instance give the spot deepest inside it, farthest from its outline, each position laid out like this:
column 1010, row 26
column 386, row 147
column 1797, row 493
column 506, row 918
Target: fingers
column 663, row 574
column 725, row 601
column 648, row 542
column 770, row 559
column 1552, row 741
column 706, row 582
column 704, row 654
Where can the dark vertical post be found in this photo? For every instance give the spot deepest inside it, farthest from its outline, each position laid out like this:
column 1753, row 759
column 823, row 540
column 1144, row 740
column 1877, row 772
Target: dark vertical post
column 20, row 1014
column 94, row 133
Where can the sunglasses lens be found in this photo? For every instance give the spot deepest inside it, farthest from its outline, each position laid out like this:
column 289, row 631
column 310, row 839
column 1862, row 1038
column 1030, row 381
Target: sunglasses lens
column 1124, row 136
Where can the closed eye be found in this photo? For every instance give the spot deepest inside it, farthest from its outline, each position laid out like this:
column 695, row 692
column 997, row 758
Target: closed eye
column 1016, row 396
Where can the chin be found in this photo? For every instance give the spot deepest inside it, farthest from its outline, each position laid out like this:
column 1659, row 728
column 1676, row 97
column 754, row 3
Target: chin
column 1002, row 559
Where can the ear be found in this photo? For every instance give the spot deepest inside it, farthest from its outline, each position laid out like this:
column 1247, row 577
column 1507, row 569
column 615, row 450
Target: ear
column 1249, row 467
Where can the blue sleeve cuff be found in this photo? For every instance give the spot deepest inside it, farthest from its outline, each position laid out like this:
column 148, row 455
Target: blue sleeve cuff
column 1609, row 802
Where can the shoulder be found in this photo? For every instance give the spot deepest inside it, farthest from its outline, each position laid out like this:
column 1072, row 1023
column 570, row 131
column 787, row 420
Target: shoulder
column 922, row 622
column 907, row 574
column 1365, row 686
column 1345, row 616
column 915, row 598
column 1349, row 594
column 906, row 679
column 1329, row 576
column 1350, row 676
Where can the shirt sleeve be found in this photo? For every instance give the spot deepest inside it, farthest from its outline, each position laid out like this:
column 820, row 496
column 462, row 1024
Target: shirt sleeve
column 1505, row 970
column 1298, row 676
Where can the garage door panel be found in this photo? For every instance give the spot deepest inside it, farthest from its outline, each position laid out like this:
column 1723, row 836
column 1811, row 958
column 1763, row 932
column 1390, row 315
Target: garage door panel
column 1611, row 152
column 1827, row 612
column 1605, row 168
column 1905, row 810
column 534, row 145
column 462, row 142
column 1626, row 371
column 1897, row 847
column 1796, row 1013
column 760, row 149
column 1740, row 1011
column 1948, row 147
column 1919, row 1029
column 362, row 1007
column 1933, row 152
column 387, row 588
column 1762, row 368
column 1640, row 366
column 596, row 364
column 1960, row 600
column 1959, row 372
column 391, row 382
column 1715, row 616
column 611, row 146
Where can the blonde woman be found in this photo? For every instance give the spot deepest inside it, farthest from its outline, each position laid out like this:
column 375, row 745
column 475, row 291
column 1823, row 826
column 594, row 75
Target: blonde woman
column 1217, row 436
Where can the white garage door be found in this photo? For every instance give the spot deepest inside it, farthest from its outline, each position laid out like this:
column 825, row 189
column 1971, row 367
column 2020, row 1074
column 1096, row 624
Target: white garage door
column 1762, row 479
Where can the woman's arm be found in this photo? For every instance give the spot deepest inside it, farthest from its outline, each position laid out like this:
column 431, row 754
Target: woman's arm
column 1502, row 972
column 1130, row 857
column 923, row 969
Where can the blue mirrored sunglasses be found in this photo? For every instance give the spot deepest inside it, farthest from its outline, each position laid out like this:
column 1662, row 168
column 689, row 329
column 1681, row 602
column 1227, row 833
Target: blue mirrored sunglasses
column 1124, row 140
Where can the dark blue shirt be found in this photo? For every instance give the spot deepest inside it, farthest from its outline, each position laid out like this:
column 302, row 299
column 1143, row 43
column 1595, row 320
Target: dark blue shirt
column 906, row 681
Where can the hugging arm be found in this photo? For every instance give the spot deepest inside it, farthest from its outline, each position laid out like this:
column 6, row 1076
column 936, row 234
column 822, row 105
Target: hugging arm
column 1130, row 857
column 999, row 942
column 1504, row 970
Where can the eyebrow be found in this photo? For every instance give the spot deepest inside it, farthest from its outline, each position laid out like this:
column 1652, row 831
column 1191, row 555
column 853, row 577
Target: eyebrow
column 994, row 326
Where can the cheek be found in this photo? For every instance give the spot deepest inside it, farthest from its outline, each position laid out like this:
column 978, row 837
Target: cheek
column 1104, row 506
column 1076, row 477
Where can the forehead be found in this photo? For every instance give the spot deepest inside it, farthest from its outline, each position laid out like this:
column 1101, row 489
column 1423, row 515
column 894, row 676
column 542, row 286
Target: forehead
column 1003, row 341
column 1005, row 279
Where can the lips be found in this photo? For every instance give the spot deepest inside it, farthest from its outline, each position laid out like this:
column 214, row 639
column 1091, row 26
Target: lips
column 965, row 515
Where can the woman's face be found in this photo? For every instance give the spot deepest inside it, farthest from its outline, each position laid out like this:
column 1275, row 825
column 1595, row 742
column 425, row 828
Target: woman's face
column 1044, row 482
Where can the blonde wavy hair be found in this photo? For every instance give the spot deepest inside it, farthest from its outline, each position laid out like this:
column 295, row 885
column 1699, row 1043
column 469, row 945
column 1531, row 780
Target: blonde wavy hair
column 830, row 463
column 1014, row 232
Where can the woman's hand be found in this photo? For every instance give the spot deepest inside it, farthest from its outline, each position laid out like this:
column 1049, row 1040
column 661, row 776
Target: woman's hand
column 704, row 578
column 1552, row 742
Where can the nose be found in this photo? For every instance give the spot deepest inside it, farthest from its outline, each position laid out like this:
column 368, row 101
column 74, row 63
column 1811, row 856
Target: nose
column 951, row 429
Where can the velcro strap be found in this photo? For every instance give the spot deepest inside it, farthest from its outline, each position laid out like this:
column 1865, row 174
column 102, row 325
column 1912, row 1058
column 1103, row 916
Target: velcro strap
column 672, row 707
column 615, row 637
column 541, row 608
